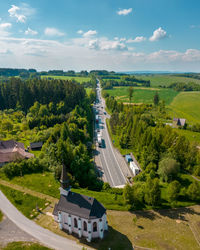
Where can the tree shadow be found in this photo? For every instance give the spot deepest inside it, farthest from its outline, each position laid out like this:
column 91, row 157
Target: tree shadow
column 178, row 213
column 148, row 214
column 113, row 239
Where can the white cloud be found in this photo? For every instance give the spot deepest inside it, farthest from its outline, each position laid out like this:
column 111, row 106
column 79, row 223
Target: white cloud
column 138, row 39
column 158, row 35
column 90, row 33
column 80, row 32
column 29, row 31
column 53, row 32
column 3, row 29
column 14, row 12
column 124, row 12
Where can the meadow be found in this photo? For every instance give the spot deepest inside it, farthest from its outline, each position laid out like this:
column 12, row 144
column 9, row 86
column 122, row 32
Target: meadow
column 25, row 246
column 166, row 80
column 186, row 105
column 142, row 94
column 24, row 202
column 76, row 78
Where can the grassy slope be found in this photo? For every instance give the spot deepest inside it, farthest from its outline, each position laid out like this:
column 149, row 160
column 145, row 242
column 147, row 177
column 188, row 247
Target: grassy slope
column 166, row 80
column 45, row 183
column 143, row 95
column 78, row 79
column 24, row 202
column 24, row 246
column 190, row 135
column 186, row 105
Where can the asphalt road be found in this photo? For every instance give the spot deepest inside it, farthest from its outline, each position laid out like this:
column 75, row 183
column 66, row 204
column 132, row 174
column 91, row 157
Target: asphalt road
column 109, row 161
column 44, row 236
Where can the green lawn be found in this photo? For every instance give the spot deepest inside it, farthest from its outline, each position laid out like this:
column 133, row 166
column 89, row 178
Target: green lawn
column 88, row 90
column 190, row 135
column 166, row 80
column 186, row 105
column 24, row 202
column 24, row 246
column 142, row 94
column 76, row 78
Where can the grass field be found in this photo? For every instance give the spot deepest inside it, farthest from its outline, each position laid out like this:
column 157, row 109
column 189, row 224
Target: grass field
column 46, row 184
column 166, row 80
column 76, row 78
column 1, row 216
column 148, row 229
column 24, row 246
column 24, row 202
column 190, row 135
column 142, row 94
column 88, row 90
column 186, row 105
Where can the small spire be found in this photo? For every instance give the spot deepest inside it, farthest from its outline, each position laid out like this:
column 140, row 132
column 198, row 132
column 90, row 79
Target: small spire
column 64, row 179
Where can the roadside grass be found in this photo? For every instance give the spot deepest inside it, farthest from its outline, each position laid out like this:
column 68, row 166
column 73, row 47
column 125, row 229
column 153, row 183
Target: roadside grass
column 1, row 216
column 166, row 80
column 24, row 246
column 190, row 135
column 76, row 78
column 186, row 105
column 142, row 94
column 24, row 202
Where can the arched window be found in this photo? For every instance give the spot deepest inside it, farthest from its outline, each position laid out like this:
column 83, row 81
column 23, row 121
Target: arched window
column 94, row 227
column 75, row 222
column 84, row 226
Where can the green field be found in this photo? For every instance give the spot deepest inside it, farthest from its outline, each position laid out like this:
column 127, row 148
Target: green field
column 186, row 105
column 190, row 135
column 24, row 202
column 166, row 80
column 88, row 90
column 76, row 78
column 25, row 246
column 142, row 94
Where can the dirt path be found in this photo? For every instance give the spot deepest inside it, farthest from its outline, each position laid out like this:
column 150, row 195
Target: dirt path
column 28, row 191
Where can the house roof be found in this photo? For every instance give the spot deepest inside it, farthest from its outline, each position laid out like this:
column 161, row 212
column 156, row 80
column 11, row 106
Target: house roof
column 12, row 150
column 34, row 145
column 80, row 205
column 179, row 121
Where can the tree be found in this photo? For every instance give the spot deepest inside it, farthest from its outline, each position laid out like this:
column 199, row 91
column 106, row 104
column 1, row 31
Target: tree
column 152, row 192
column 130, row 93
column 173, row 190
column 156, row 99
column 168, row 169
column 194, row 191
column 128, row 194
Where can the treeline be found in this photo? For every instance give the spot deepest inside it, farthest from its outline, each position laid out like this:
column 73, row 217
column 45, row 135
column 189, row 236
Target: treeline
column 125, row 81
column 7, row 72
column 181, row 86
column 189, row 75
column 22, row 94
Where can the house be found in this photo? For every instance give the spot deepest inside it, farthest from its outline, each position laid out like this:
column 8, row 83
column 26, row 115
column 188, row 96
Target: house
column 178, row 122
column 79, row 214
column 11, row 151
column 36, row 145
column 135, row 169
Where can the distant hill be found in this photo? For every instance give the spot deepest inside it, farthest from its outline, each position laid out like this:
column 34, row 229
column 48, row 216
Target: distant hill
column 149, row 72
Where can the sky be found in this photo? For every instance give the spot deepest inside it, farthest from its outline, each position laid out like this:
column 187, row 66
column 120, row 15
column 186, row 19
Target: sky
column 119, row 35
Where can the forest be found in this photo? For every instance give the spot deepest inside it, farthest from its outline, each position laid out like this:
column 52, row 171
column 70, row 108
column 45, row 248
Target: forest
column 59, row 113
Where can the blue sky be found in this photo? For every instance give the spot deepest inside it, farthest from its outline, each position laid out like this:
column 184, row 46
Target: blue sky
column 108, row 34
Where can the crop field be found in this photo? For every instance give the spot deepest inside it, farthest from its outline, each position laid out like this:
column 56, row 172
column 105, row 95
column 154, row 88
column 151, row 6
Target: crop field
column 166, row 80
column 186, row 105
column 142, row 94
column 76, row 78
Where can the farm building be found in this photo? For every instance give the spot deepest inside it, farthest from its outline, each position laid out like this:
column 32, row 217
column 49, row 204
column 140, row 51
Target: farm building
column 178, row 122
column 135, row 169
column 12, row 151
column 79, row 214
